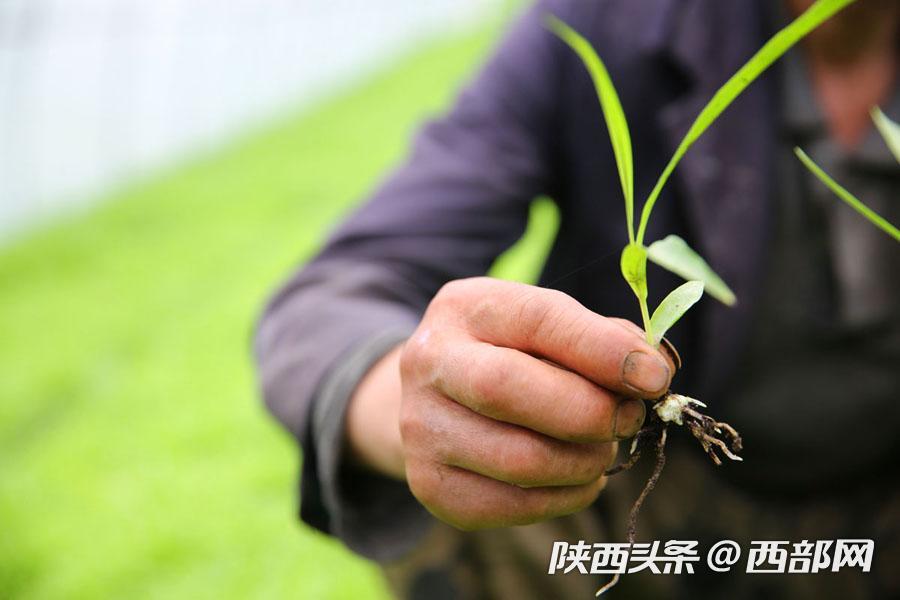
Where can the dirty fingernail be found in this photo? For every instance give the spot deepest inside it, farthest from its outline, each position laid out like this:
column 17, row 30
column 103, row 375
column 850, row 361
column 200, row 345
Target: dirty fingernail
column 645, row 373
column 629, row 418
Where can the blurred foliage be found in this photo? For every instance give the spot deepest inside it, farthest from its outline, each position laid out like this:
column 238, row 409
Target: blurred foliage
column 136, row 460
column 524, row 261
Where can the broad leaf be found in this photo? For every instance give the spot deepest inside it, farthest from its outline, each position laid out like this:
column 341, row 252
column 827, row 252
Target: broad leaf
column 780, row 43
column 634, row 269
column 673, row 308
column 847, row 197
column 673, row 254
column 612, row 111
column 890, row 131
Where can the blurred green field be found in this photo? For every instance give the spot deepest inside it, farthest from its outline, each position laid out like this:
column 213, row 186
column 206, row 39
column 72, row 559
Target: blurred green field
column 135, row 458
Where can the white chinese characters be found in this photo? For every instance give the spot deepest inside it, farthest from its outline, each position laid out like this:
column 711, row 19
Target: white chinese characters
column 676, row 557
column 808, row 557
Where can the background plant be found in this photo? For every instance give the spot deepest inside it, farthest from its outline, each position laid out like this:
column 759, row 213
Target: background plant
column 890, row 131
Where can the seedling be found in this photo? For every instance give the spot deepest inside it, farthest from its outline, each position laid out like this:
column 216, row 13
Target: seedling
column 673, row 253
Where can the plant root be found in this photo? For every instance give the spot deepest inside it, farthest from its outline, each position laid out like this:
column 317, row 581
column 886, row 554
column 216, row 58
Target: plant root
column 655, row 433
column 637, row 446
column 673, row 408
column 648, row 487
column 611, row 584
column 710, row 432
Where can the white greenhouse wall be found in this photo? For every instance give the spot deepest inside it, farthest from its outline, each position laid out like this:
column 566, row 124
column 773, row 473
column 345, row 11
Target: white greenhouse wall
column 96, row 92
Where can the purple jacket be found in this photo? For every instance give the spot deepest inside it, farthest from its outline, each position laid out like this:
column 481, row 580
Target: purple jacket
column 529, row 124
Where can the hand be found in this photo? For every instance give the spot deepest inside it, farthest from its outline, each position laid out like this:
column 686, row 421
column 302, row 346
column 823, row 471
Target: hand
column 513, row 397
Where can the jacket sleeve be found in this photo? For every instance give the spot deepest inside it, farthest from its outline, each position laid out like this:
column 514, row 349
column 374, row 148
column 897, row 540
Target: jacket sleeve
column 457, row 202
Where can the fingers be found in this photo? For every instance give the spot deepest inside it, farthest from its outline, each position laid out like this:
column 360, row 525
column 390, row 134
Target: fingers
column 475, row 472
column 666, row 348
column 468, row 500
column 459, row 437
column 512, row 399
column 511, row 386
column 550, row 324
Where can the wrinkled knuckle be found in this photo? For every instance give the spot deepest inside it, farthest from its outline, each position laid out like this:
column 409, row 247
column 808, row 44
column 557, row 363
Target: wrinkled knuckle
column 575, row 415
column 533, row 310
column 596, row 422
column 525, row 463
column 484, row 311
column 449, row 294
column 480, row 394
column 411, row 424
column 422, row 354
column 585, row 413
column 416, row 348
column 486, row 383
column 583, row 335
column 410, row 359
column 563, row 316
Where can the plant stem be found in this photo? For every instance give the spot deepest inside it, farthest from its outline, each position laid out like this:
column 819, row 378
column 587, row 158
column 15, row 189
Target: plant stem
column 645, row 314
column 657, row 189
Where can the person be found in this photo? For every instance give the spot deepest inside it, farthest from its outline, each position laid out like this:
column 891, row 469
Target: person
column 454, row 426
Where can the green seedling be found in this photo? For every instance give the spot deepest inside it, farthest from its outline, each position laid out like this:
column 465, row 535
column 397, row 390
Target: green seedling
column 890, row 131
column 672, row 252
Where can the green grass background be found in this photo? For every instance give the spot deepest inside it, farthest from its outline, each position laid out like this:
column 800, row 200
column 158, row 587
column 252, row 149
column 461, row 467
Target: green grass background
column 136, row 460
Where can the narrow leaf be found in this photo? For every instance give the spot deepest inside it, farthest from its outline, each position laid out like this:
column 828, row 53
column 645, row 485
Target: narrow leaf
column 847, row 197
column 634, row 269
column 780, row 43
column 890, row 131
column 673, row 254
column 612, row 111
column 673, row 308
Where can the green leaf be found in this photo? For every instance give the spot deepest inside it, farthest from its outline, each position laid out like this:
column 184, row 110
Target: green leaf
column 780, row 43
column 890, row 131
column 847, row 197
column 673, row 254
column 673, row 308
column 634, row 269
column 613, row 114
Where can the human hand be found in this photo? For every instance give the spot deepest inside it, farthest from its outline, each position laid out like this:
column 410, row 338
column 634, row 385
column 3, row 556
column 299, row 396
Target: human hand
column 513, row 397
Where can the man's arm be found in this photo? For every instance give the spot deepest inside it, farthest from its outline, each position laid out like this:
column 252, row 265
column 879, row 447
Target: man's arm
column 458, row 202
